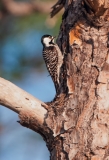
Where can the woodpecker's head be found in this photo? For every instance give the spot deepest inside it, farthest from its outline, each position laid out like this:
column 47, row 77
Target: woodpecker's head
column 47, row 40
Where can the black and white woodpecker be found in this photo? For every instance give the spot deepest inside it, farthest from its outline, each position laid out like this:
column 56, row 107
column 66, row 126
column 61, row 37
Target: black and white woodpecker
column 53, row 59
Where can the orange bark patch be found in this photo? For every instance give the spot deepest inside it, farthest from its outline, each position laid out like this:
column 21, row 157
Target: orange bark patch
column 95, row 158
column 75, row 35
column 70, row 84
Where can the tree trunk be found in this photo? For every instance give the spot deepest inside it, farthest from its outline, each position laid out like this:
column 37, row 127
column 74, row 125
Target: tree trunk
column 76, row 122
column 80, row 116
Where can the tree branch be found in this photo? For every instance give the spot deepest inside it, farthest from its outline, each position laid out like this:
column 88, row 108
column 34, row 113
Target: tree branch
column 57, row 7
column 30, row 109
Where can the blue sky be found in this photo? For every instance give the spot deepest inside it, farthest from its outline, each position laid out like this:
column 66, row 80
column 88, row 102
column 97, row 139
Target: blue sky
column 17, row 142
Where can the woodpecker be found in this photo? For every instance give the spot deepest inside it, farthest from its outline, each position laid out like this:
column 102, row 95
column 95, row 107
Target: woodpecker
column 53, row 59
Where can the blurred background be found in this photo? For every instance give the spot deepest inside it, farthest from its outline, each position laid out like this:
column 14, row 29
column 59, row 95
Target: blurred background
column 22, row 23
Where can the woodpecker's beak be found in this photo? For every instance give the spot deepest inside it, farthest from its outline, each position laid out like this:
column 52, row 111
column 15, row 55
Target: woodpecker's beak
column 53, row 37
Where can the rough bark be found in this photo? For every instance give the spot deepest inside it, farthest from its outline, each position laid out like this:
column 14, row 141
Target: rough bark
column 82, row 117
column 76, row 122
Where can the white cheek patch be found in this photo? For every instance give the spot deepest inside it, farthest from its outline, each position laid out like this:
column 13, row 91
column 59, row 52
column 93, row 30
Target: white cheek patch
column 46, row 41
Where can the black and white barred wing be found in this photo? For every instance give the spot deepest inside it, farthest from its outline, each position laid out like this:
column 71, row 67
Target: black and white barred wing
column 51, row 60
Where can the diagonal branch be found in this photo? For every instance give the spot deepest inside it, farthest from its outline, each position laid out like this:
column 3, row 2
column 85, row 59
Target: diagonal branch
column 57, row 7
column 32, row 111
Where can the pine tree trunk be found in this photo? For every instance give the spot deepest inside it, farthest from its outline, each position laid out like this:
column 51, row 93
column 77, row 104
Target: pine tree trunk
column 78, row 119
